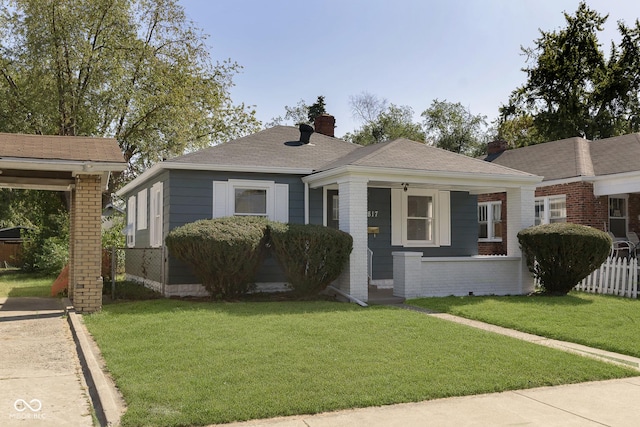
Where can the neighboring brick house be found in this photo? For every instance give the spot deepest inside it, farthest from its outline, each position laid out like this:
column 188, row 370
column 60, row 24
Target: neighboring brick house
column 594, row 183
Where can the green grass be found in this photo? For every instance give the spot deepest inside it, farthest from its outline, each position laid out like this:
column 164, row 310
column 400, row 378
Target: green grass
column 195, row 363
column 16, row 283
column 601, row 321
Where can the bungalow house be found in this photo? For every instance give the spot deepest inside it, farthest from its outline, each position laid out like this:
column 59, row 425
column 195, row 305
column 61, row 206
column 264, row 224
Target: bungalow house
column 594, row 183
column 411, row 209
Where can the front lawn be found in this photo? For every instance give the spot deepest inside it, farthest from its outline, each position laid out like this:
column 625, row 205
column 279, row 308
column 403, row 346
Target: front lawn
column 194, row 363
column 601, row 321
column 16, row 283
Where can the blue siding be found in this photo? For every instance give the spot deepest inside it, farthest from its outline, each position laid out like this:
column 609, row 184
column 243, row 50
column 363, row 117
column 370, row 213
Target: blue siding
column 315, row 206
column 464, row 231
column 190, row 196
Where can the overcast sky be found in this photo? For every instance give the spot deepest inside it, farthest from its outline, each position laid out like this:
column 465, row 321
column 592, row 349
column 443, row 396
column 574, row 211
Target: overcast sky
column 407, row 51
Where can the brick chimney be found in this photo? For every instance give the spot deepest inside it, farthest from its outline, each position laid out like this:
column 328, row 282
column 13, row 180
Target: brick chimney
column 497, row 147
column 325, row 124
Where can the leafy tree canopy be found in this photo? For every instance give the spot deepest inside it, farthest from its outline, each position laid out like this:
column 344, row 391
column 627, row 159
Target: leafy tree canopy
column 136, row 70
column 573, row 88
column 382, row 122
column 299, row 114
column 451, row 126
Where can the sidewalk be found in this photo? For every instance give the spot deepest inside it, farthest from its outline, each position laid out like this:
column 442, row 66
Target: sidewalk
column 606, row 403
column 41, row 382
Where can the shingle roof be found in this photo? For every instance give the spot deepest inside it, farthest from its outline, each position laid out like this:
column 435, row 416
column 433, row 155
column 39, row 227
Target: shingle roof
column 276, row 147
column 574, row 157
column 69, row 148
column 411, row 155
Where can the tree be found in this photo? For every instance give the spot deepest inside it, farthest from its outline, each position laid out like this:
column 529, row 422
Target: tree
column 572, row 89
column 135, row 70
column 451, row 126
column 317, row 109
column 301, row 113
column 367, row 107
column 391, row 123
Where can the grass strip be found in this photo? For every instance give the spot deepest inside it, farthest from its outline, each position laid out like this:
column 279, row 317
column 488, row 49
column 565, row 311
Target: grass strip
column 16, row 283
column 602, row 321
column 193, row 363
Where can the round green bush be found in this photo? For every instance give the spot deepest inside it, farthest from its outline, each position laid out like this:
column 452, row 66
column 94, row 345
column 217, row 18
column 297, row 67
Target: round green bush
column 312, row 256
column 560, row 255
column 224, row 253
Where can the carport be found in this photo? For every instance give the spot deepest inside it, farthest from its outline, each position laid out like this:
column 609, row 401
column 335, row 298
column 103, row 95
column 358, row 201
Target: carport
column 81, row 166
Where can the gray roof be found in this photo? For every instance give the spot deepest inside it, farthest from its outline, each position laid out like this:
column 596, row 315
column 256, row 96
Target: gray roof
column 411, row 155
column 276, row 147
column 574, row 157
column 53, row 147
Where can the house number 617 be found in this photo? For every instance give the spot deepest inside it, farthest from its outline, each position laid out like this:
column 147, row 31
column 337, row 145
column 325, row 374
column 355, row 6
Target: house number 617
column 372, row 214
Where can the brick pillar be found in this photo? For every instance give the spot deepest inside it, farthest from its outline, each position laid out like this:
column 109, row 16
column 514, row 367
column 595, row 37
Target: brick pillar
column 352, row 193
column 520, row 205
column 72, row 255
column 87, row 246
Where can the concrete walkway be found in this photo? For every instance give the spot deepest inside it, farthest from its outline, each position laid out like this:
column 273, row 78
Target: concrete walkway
column 41, row 382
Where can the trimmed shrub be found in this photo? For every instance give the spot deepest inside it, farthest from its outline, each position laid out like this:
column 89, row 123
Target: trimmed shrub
column 224, row 253
column 564, row 254
column 312, row 256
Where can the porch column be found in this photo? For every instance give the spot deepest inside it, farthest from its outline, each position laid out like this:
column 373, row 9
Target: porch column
column 352, row 193
column 520, row 215
column 72, row 251
column 86, row 279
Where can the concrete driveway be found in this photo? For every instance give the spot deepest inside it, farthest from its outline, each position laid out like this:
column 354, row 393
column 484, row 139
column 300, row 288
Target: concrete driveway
column 41, row 381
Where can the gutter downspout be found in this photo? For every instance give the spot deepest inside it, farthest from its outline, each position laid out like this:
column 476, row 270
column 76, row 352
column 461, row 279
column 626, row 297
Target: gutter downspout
column 306, row 203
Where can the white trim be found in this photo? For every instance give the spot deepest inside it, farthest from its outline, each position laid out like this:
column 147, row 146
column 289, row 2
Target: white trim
column 440, row 218
column 490, row 220
column 247, row 184
column 417, row 176
column 156, row 209
column 277, row 198
column 81, row 166
column 546, row 218
column 131, row 222
column 141, row 210
column 306, row 203
column 324, row 204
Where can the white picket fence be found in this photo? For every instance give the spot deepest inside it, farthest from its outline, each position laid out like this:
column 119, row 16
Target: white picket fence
column 616, row 276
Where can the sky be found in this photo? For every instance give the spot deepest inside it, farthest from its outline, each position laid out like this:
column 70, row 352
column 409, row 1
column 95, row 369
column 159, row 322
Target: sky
column 408, row 52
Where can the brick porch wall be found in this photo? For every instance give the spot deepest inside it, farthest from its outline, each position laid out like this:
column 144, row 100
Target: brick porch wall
column 87, row 247
column 582, row 208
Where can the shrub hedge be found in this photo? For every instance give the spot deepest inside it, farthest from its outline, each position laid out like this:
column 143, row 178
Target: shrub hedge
column 312, row 256
column 564, row 254
column 224, row 252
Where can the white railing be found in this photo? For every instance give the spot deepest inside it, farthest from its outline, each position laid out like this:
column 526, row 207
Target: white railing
column 369, row 264
column 616, row 276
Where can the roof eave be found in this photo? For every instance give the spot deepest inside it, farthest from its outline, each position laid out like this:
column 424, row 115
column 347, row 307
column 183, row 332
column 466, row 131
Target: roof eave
column 417, row 175
column 159, row 167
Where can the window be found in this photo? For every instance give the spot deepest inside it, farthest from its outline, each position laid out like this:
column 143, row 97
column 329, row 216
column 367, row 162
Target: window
column 141, row 219
column 419, row 226
column 250, row 202
column 251, row 198
column 618, row 215
column 335, row 208
column 490, row 221
column 131, row 222
column 155, row 220
column 420, row 218
column 550, row 209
